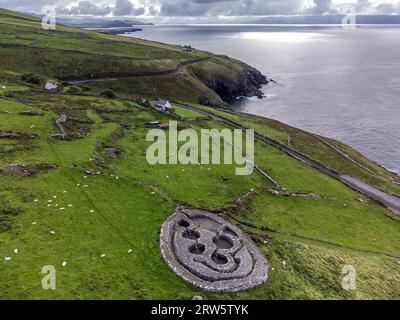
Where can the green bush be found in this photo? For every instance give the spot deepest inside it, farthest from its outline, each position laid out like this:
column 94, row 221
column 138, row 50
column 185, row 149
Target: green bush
column 32, row 78
column 74, row 90
column 109, row 94
column 5, row 225
column 5, row 214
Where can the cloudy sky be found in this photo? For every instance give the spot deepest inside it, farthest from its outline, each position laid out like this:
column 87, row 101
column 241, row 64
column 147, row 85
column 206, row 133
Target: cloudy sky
column 203, row 8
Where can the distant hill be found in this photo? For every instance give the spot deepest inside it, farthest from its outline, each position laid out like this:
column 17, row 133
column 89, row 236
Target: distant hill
column 100, row 23
column 90, row 22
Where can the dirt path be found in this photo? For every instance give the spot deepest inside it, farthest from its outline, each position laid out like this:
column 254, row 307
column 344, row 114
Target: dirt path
column 78, row 82
column 176, row 71
column 392, row 202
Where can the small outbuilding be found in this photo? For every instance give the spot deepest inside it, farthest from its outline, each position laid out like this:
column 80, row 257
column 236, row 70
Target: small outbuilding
column 154, row 124
column 51, row 86
column 164, row 106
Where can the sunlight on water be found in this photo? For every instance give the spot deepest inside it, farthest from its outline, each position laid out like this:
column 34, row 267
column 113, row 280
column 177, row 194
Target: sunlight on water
column 290, row 37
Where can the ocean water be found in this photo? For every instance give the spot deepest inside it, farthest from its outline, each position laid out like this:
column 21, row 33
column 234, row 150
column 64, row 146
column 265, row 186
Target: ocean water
column 343, row 84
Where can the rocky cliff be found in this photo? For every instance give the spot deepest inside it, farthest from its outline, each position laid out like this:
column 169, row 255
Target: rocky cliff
column 230, row 78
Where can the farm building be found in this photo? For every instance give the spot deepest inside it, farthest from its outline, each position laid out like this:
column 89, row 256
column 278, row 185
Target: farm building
column 164, row 106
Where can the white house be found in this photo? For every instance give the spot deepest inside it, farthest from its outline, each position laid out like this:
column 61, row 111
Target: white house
column 164, row 106
column 52, row 86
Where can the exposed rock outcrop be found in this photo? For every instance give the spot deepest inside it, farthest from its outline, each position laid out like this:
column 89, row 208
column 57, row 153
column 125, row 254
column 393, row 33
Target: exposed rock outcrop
column 31, row 113
column 27, row 169
column 114, row 152
column 60, row 121
column 17, row 135
column 246, row 82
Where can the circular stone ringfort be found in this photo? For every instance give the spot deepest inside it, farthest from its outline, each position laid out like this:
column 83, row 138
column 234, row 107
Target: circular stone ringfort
column 211, row 253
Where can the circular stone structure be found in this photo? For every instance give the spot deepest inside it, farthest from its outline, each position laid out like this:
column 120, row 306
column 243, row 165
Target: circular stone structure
column 211, row 253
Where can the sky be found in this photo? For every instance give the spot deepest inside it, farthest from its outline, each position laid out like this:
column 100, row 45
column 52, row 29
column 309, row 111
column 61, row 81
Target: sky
column 203, row 8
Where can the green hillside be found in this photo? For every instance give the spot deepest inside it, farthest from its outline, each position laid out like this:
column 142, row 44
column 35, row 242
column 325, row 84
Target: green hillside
column 147, row 68
column 95, row 214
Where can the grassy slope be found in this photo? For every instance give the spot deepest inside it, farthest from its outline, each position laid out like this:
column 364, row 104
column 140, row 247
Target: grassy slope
column 318, row 148
column 314, row 237
column 69, row 54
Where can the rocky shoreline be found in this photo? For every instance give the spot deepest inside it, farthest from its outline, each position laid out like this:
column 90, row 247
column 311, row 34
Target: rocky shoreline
column 247, row 83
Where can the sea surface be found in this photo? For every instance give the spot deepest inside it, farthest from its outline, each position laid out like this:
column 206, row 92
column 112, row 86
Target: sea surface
column 340, row 83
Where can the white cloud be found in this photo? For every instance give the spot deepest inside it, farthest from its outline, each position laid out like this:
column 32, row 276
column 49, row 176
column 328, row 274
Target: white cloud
column 193, row 8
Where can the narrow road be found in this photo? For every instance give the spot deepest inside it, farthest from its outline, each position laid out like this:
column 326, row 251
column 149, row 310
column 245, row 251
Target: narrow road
column 78, row 82
column 392, row 202
column 177, row 71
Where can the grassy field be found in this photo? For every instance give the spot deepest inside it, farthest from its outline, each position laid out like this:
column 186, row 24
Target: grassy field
column 130, row 200
column 101, row 230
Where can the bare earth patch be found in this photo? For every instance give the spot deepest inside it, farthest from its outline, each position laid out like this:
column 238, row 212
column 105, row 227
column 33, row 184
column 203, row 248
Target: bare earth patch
column 27, row 169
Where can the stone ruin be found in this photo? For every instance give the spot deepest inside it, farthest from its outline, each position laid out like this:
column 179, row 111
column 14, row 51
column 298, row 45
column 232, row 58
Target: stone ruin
column 60, row 121
column 211, row 253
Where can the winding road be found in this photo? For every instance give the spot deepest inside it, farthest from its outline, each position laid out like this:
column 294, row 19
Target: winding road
column 392, row 202
column 177, row 71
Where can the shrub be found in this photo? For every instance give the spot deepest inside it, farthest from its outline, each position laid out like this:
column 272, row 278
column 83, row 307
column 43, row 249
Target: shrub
column 109, row 94
column 5, row 214
column 32, row 78
column 5, row 225
column 74, row 90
